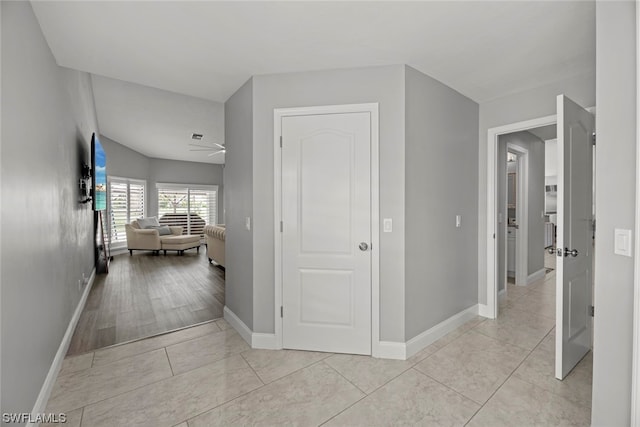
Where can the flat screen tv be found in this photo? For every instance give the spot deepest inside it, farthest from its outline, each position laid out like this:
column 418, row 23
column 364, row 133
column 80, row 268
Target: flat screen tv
column 99, row 168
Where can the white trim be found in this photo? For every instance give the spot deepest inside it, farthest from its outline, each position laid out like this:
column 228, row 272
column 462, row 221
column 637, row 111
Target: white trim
column 635, row 376
column 237, row 324
column 403, row 351
column 391, row 350
column 254, row 339
column 535, row 276
column 43, row 397
column 492, row 227
column 502, row 294
column 264, row 341
column 377, row 348
column 124, row 178
column 522, row 214
column 483, row 310
column 177, row 186
column 428, row 337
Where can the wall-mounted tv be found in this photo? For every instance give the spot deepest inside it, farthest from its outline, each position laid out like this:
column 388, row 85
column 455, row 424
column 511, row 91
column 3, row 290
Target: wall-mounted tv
column 99, row 167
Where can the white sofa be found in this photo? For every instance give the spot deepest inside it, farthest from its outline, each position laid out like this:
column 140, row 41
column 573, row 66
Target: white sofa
column 147, row 239
column 215, row 237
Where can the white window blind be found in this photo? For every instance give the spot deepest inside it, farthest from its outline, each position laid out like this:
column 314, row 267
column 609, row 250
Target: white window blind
column 126, row 203
column 191, row 207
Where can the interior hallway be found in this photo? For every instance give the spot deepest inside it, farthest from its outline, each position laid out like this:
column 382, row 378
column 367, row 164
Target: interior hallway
column 485, row 373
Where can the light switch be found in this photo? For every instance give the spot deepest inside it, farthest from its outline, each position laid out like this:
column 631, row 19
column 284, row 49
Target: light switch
column 387, row 225
column 622, row 242
column 499, row 217
column 247, row 223
column 458, row 221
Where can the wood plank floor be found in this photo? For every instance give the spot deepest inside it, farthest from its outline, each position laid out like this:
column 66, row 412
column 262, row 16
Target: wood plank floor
column 145, row 295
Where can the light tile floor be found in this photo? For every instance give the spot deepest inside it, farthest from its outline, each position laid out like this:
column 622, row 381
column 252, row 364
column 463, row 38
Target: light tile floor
column 485, row 373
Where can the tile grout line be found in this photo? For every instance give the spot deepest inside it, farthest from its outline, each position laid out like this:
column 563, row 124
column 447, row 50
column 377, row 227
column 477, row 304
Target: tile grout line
column 348, row 380
column 448, row 387
column 508, row 377
column 549, row 391
column 166, row 353
column 350, row 406
column 251, row 367
column 250, row 391
column 145, row 385
column 153, row 349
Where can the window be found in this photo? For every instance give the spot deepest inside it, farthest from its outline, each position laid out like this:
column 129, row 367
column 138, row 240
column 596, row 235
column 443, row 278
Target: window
column 126, row 203
column 189, row 206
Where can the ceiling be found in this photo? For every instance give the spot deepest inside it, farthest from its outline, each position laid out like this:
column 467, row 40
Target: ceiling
column 208, row 49
column 545, row 133
column 158, row 123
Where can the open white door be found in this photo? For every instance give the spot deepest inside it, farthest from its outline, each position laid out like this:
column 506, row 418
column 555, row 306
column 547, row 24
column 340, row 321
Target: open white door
column 574, row 232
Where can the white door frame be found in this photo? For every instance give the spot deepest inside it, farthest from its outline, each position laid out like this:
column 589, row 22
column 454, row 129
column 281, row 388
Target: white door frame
column 278, row 115
column 491, row 310
column 522, row 214
column 635, row 376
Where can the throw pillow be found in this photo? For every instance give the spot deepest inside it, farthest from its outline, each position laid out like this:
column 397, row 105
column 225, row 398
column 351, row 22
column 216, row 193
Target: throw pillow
column 148, row 222
column 163, row 230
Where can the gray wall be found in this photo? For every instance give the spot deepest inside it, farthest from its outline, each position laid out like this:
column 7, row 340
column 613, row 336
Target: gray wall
column 47, row 236
column 384, row 85
column 526, row 105
column 124, row 162
column 535, row 246
column 441, row 169
column 238, row 173
column 615, row 197
column 127, row 163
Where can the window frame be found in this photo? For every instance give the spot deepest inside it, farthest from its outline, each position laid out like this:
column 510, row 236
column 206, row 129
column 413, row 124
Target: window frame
column 145, row 200
column 189, row 187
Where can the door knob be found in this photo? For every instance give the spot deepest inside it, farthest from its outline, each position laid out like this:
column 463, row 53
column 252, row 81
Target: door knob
column 551, row 250
column 363, row 246
column 572, row 252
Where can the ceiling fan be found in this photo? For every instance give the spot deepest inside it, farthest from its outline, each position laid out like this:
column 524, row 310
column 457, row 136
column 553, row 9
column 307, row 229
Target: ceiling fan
column 215, row 148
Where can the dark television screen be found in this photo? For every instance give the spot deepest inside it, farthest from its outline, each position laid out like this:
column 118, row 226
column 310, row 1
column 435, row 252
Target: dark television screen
column 99, row 166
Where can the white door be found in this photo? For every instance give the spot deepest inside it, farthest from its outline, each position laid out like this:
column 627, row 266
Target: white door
column 326, row 214
column 574, row 246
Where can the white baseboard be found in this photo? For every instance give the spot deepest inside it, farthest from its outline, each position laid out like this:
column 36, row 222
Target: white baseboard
column 254, row 339
column 536, row 276
column 264, row 341
column 484, row 311
column 237, row 324
column 384, row 349
column 417, row 343
column 391, row 350
column 43, row 397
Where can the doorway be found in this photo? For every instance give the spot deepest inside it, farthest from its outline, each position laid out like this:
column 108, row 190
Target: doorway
column 327, row 229
column 571, row 289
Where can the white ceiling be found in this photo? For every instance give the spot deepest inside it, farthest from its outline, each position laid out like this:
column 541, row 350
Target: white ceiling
column 207, row 49
column 158, row 123
column 545, row 133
